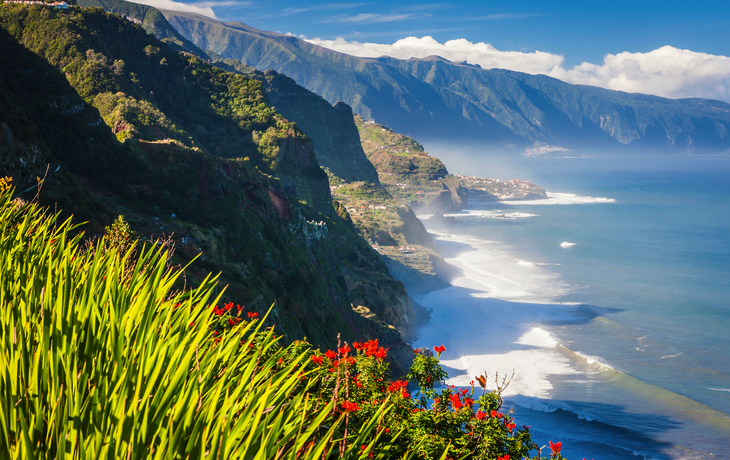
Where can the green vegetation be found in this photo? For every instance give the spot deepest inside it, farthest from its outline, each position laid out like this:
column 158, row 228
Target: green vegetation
column 407, row 171
column 150, row 19
column 190, row 152
column 414, row 177
column 103, row 356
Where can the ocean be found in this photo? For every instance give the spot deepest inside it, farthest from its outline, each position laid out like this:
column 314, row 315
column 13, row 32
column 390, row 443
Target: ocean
column 609, row 301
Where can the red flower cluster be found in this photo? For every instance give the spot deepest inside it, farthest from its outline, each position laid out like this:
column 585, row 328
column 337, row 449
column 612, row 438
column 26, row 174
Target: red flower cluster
column 456, row 401
column 480, row 415
column 440, row 349
column 398, row 384
column 510, row 426
column 555, row 448
column 350, row 406
column 504, row 457
column 252, row 315
column 344, row 350
column 330, row 355
column 317, row 360
column 371, row 348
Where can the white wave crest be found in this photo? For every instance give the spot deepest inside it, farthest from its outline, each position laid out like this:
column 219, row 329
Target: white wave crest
column 563, row 198
column 567, row 244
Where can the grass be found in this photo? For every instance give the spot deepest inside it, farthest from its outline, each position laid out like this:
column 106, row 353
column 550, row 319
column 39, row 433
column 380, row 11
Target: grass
column 102, row 357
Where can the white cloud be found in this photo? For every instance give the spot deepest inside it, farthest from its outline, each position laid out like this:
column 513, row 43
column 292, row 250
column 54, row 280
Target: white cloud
column 667, row 71
column 204, row 8
column 458, row 50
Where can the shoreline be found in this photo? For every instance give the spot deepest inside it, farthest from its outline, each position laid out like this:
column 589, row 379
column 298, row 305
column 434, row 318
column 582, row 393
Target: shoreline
column 452, row 322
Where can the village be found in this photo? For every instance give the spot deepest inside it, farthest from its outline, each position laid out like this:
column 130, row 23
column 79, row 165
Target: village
column 513, row 189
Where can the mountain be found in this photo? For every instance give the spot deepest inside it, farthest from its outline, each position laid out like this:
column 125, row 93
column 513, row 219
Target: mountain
column 150, row 19
column 335, row 137
column 192, row 153
column 434, row 98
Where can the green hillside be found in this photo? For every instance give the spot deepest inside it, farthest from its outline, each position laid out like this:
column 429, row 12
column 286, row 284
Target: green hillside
column 433, row 98
column 414, row 177
column 183, row 148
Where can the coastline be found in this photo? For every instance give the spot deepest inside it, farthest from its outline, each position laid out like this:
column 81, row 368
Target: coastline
column 485, row 324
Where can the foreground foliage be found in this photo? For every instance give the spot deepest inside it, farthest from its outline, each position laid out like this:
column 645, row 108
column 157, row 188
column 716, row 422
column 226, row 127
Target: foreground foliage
column 101, row 357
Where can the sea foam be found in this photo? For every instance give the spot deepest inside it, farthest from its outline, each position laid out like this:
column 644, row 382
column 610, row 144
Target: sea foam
column 486, row 319
column 562, row 198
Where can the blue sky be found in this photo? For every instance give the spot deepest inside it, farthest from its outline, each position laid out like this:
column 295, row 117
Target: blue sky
column 670, row 48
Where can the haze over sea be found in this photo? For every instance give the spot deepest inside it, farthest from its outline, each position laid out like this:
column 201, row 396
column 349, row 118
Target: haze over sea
column 618, row 338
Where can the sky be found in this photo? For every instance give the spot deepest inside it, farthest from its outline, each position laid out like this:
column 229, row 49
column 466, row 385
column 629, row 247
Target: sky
column 668, row 48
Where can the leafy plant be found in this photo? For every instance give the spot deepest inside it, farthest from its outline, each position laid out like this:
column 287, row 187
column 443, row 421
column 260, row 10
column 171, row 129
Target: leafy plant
column 101, row 358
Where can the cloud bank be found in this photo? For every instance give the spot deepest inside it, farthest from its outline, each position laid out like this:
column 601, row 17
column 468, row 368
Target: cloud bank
column 667, row 71
column 458, row 50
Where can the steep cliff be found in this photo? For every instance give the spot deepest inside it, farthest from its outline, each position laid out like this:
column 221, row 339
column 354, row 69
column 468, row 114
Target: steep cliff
column 183, row 148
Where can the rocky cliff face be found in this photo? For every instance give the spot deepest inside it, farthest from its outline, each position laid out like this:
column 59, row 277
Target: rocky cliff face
column 331, row 128
column 204, row 158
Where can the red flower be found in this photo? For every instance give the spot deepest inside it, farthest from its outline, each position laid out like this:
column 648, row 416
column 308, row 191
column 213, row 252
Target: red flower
column 317, row 359
column 496, row 414
column 440, row 349
column 280, row 361
column 381, row 353
column 481, row 415
column 252, row 315
column 344, row 350
column 506, row 457
column 356, row 345
column 350, row 406
column 330, row 354
column 456, row 401
column 228, row 306
column 364, row 447
column 555, row 448
column 231, row 322
column 398, row 384
column 239, row 309
column 404, row 392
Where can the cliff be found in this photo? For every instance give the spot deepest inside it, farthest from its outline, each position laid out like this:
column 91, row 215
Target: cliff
column 186, row 150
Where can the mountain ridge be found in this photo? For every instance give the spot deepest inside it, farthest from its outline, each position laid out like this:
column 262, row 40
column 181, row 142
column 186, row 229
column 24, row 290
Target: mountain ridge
column 511, row 111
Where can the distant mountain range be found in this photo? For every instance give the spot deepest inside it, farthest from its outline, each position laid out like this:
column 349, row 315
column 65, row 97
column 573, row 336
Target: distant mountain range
column 434, row 98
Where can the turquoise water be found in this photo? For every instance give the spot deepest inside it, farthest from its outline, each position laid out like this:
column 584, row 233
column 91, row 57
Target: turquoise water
column 649, row 338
